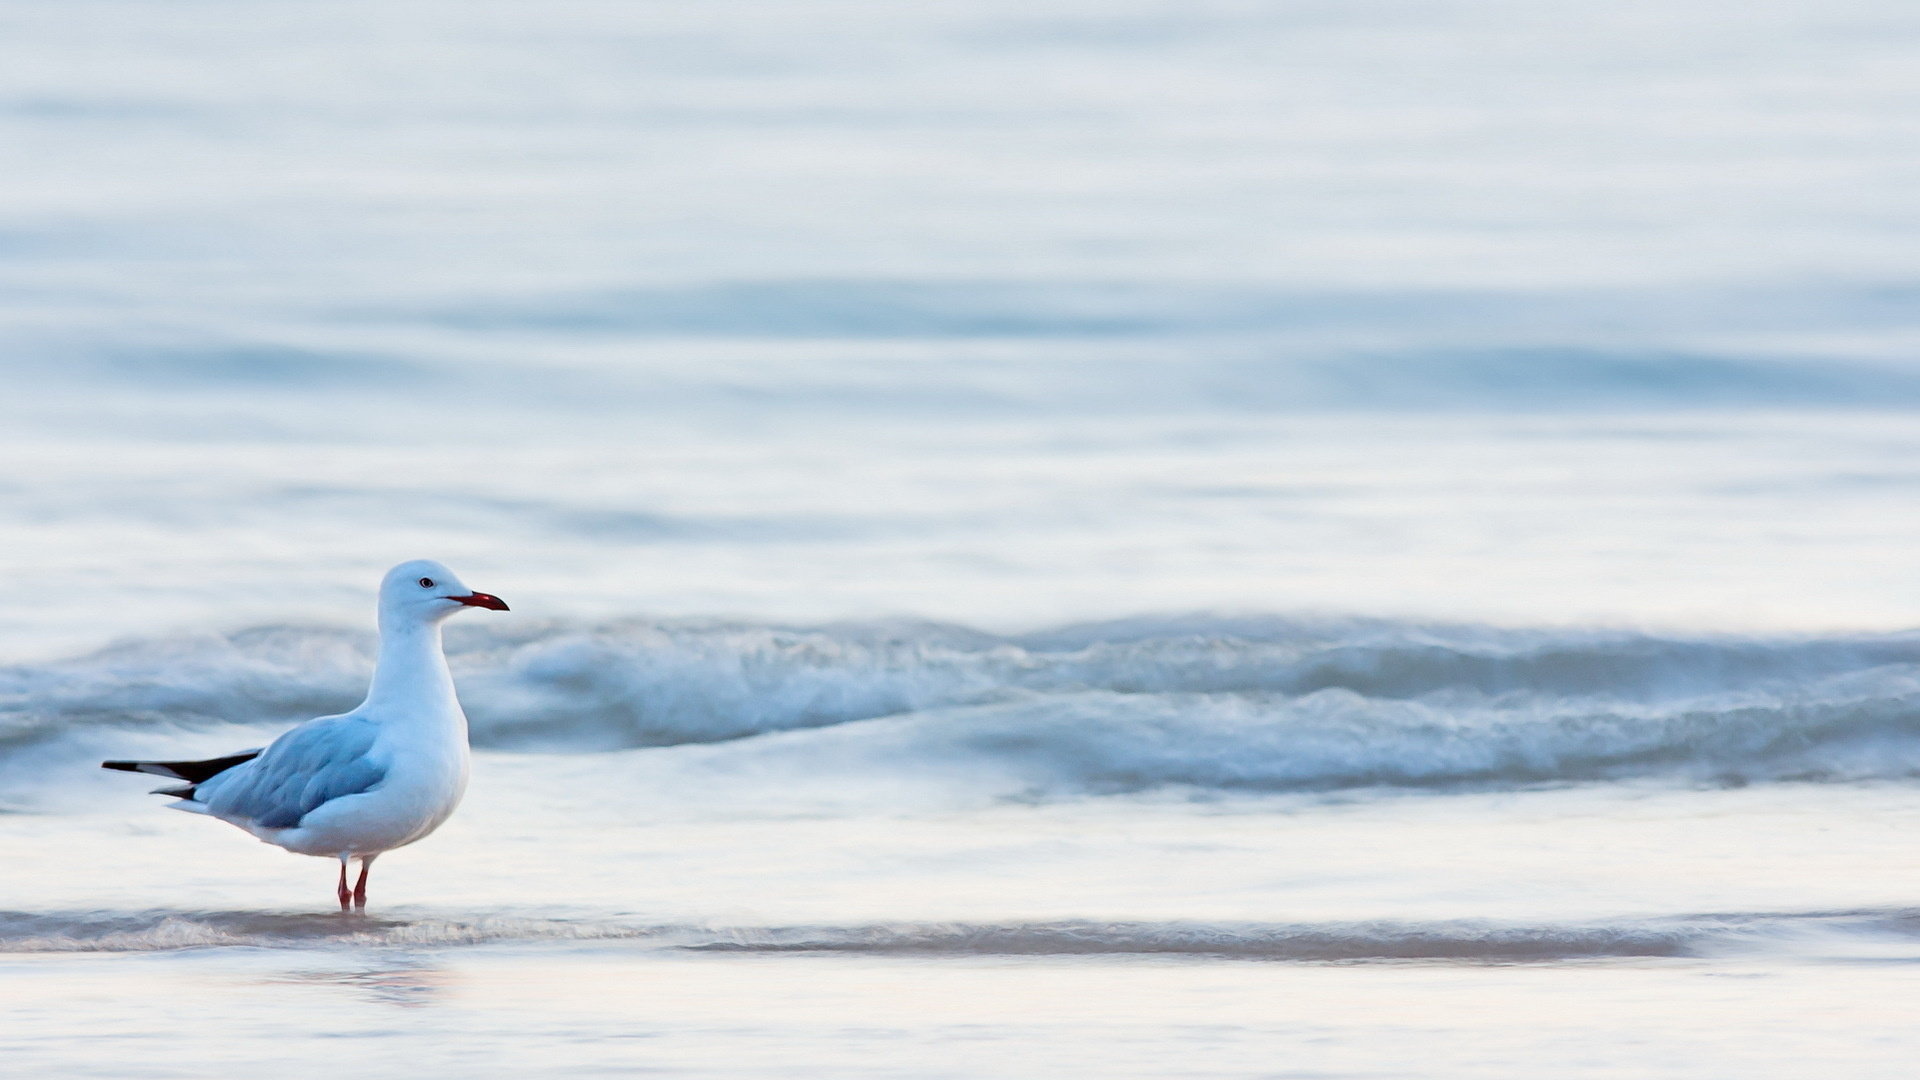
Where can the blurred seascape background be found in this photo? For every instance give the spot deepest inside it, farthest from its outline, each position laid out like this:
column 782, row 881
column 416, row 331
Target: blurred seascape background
column 1046, row 539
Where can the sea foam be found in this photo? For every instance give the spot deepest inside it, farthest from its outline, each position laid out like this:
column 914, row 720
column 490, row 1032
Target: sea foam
column 1448, row 941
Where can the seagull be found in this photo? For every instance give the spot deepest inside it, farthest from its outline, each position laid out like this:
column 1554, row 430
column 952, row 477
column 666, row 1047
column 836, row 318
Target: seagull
column 365, row 782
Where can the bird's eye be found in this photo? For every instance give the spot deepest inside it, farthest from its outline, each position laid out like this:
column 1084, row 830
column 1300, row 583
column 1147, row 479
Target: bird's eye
column 426, row 583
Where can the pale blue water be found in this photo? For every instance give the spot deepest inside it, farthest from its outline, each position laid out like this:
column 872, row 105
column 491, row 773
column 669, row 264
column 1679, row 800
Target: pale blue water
column 1045, row 539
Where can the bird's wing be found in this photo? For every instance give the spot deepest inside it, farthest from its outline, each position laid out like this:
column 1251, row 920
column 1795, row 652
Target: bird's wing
column 315, row 763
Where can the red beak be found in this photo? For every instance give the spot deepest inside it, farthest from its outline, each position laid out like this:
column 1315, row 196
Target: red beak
column 480, row 599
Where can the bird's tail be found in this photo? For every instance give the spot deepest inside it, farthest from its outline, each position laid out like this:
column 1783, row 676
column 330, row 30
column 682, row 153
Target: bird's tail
column 193, row 772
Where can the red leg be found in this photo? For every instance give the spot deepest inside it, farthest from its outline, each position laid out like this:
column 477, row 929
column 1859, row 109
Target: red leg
column 345, row 896
column 359, row 887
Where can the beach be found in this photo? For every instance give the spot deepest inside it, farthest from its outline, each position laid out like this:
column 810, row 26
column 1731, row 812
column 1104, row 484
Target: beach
column 1051, row 539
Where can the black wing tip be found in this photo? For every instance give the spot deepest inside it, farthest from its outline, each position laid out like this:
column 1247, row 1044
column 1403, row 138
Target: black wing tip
column 193, row 772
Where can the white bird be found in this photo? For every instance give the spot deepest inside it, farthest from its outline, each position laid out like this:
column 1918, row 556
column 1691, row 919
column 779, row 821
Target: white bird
column 365, row 782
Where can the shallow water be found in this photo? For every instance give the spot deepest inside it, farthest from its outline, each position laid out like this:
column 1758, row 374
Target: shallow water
column 1590, row 932
column 1046, row 539
column 1639, row 929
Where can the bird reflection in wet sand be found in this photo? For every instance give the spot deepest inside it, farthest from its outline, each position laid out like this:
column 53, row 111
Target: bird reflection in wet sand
column 407, row 983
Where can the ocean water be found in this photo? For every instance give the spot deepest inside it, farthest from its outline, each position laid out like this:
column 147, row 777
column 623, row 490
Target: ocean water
column 1057, row 539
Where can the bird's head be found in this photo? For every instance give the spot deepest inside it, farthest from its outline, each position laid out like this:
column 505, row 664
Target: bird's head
column 426, row 591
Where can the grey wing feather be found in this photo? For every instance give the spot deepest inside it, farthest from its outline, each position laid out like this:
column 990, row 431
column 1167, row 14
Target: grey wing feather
column 312, row 765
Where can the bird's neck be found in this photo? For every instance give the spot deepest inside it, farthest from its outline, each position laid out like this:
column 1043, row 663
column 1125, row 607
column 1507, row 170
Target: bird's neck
column 411, row 675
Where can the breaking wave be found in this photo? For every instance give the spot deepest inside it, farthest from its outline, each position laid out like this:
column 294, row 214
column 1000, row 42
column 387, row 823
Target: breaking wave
column 1201, row 701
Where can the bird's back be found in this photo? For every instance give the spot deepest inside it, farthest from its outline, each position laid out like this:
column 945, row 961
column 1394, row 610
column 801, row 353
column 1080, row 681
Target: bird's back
column 306, row 768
